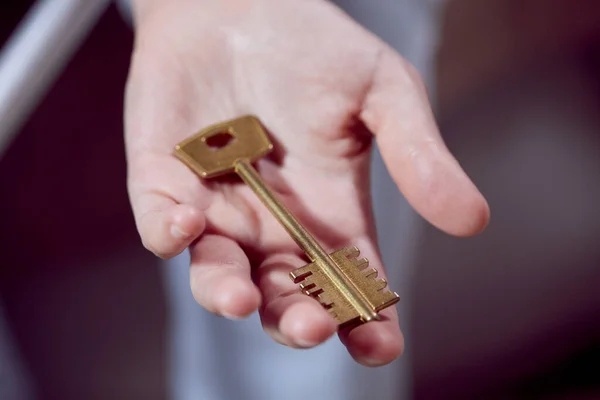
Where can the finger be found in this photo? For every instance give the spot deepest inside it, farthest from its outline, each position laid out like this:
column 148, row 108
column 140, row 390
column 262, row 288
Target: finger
column 220, row 277
column 397, row 111
column 376, row 343
column 288, row 316
column 165, row 227
column 164, row 193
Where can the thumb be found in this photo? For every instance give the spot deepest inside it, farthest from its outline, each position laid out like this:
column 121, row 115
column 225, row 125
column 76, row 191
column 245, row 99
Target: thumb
column 397, row 111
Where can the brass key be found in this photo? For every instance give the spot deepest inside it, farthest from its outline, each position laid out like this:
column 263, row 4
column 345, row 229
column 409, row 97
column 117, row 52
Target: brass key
column 339, row 281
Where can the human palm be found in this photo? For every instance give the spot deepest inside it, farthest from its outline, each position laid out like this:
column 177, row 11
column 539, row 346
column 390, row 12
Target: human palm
column 324, row 88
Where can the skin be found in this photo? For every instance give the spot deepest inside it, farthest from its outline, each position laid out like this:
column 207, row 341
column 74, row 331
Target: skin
column 325, row 93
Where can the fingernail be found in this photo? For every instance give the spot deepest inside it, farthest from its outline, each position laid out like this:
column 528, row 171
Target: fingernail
column 177, row 233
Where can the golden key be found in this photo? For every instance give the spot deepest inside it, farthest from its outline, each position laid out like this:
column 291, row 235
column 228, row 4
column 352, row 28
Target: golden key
column 339, row 281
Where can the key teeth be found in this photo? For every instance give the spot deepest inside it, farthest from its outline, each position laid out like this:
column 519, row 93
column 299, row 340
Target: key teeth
column 300, row 274
column 380, row 284
column 371, row 274
column 310, row 289
column 325, row 300
column 305, row 286
column 361, row 264
column 352, row 254
column 315, row 284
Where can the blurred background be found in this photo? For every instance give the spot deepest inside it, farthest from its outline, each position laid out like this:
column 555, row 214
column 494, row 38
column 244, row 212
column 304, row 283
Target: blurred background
column 511, row 314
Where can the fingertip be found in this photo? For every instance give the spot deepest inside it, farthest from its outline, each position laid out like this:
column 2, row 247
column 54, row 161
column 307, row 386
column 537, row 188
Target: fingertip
column 375, row 344
column 167, row 231
column 476, row 219
column 439, row 189
column 376, row 348
column 306, row 324
column 236, row 298
column 187, row 222
column 458, row 209
column 220, row 277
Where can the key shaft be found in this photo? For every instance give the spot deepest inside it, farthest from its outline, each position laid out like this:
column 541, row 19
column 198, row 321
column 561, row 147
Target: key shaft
column 303, row 238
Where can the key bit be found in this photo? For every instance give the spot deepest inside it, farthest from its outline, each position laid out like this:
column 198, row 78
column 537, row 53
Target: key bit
column 315, row 283
column 339, row 281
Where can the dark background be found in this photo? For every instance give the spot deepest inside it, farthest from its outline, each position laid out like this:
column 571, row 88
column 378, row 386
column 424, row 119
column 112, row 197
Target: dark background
column 84, row 298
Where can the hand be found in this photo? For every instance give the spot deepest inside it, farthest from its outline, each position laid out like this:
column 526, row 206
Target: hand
column 325, row 88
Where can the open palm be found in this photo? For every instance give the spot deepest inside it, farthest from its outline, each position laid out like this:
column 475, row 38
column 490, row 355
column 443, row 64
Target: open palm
column 324, row 88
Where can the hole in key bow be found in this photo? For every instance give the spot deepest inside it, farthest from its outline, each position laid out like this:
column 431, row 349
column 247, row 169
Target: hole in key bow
column 219, row 140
